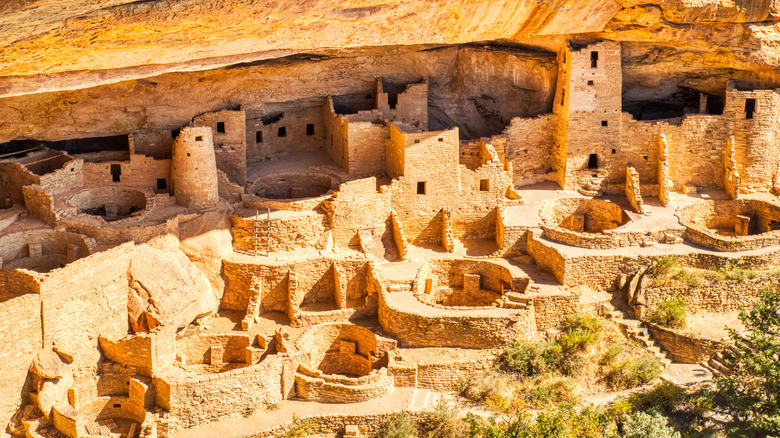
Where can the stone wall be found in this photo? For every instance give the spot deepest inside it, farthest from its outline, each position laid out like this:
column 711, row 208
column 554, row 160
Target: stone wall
column 711, row 296
column 357, row 205
column 197, row 399
column 265, row 136
column 143, row 351
column 527, row 143
column 684, row 347
column 42, row 249
column 288, row 231
column 713, row 224
column 84, row 300
column 552, row 310
column 453, row 329
column 21, row 337
column 376, row 385
column 229, row 136
column 157, row 144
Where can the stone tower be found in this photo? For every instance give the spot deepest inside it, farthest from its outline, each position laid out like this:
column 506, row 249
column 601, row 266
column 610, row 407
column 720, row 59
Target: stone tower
column 587, row 107
column 194, row 168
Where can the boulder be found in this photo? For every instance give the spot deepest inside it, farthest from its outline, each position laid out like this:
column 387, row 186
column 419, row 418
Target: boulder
column 54, row 379
column 166, row 288
column 206, row 240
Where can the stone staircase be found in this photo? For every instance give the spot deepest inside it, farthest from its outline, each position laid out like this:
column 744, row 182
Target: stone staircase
column 716, row 365
column 516, row 300
column 423, row 400
column 636, row 330
column 593, row 186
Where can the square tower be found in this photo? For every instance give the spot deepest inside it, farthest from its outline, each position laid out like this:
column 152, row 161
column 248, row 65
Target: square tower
column 587, row 109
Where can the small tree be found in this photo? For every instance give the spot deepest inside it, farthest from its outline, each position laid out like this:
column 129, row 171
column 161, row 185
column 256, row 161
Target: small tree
column 751, row 391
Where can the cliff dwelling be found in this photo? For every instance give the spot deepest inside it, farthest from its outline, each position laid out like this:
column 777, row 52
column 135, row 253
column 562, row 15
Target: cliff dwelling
column 240, row 221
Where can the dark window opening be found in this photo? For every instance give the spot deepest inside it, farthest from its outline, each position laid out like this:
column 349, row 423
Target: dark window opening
column 282, row 131
column 188, row 154
column 594, row 59
column 199, row 138
column 750, row 108
column 614, row 151
column 221, row 127
column 162, row 184
column 117, row 406
column 310, row 129
column 590, row 83
column 604, row 123
column 416, row 140
column 593, row 161
column 645, row 157
column 175, row 133
column 116, row 171
column 484, row 185
column 715, row 104
column 421, row 187
column 259, row 137
column 563, row 96
column 441, row 139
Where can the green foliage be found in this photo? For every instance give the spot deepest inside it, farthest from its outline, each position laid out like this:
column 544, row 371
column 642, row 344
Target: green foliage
column 563, row 422
column 631, row 373
column 647, row 425
column 443, row 422
column 689, row 410
column 732, row 272
column 669, row 313
column 300, row 430
column 562, row 354
column 399, row 425
column 553, row 393
column 751, row 392
column 667, row 271
column 529, row 358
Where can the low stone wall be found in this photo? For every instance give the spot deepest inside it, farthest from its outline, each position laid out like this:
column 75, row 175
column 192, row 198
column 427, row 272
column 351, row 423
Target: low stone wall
column 288, row 232
column 684, row 347
column 455, row 329
column 552, row 310
column 326, row 389
column 702, row 219
column 712, row 296
column 441, row 376
column 197, row 399
column 608, row 238
column 262, row 204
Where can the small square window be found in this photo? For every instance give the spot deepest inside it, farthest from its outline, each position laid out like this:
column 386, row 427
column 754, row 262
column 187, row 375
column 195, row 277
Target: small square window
column 162, row 184
column 614, row 151
column 441, row 139
column 281, row 132
column 604, row 123
column 645, row 157
column 594, row 59
column 590, row 83
column 750, row 108
column 259, row 137
column 421, row 187
column 221, row 127
column 484, row 185
column 310, row 129
column 199, row 138
column 416, row 140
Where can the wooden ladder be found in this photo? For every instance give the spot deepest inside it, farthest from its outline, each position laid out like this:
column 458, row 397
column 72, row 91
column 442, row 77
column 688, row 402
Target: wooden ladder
column 262, row 234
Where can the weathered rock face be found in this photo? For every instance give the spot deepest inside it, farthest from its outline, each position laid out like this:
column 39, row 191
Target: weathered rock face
column 166, row 288
column 154, row 64
column 124, row 37
column 460, row 94
column 54, row 377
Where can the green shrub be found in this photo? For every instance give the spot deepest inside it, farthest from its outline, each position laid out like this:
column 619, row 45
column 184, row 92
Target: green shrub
column 669, row 313
column 553, row 393
column 664, row 265
column 443, row 422
column 632, row 373
column 300, row 430
column 732, row 272
column 399, row 425
column 647, row 425
column 529, row 358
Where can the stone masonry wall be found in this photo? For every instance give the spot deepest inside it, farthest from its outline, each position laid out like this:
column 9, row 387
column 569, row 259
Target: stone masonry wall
column 21, row 336
column 85, row 299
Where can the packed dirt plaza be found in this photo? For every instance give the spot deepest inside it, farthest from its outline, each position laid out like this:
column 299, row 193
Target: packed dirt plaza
column 342, row 251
